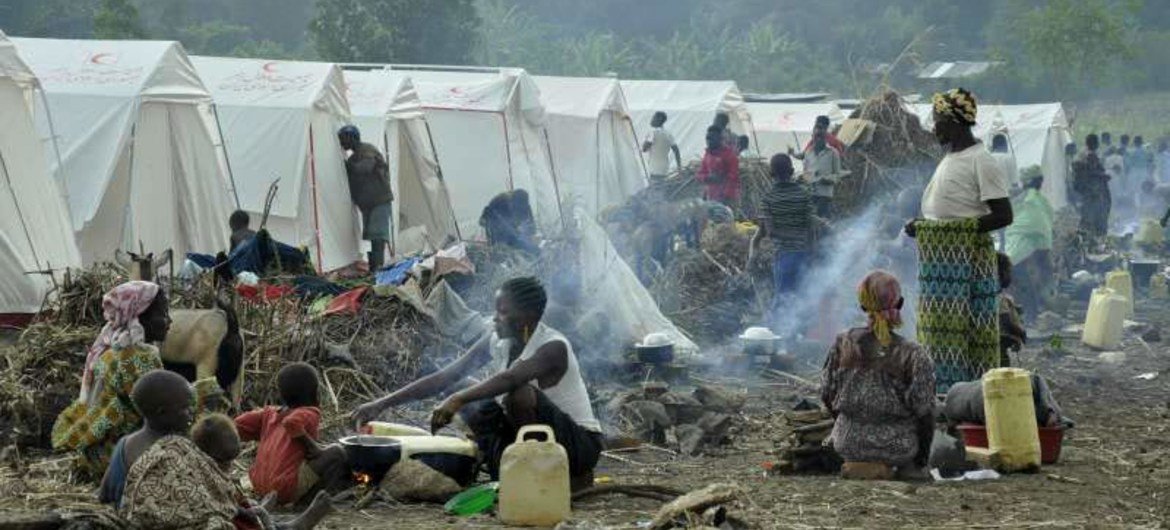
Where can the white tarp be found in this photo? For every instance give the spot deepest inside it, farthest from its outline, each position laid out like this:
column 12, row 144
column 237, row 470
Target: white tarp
column 387, row 111
column 35, row 230
column 596, row 152
column 690, row 108
column 138, row 142
column 1037, row 134
column 781, row 126
column 488, row 131
column 280, row 121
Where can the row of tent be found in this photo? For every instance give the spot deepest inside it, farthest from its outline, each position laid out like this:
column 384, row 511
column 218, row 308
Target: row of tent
column 121, row 144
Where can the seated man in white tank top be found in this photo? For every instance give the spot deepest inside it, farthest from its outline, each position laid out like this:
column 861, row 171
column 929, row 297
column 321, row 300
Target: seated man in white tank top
column 537, row 381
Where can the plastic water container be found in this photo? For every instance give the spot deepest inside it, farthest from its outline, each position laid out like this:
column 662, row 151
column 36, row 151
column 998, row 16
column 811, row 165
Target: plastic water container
column 1122, row 283
column 1159, row 290
column 534, row 480
column 1011, row 419
column 1105, row 319
column 385, row 428
column 1150, row 233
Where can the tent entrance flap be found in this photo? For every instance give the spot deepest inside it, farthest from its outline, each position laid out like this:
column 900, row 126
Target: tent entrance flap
column 316, row 201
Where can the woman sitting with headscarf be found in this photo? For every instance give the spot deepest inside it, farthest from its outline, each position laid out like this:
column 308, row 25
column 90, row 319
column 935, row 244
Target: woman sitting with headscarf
column 965, row 201
column 136, row 315
column 880, row 388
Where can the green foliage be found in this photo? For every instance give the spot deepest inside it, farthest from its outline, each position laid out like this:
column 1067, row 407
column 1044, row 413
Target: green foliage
column 1072, row 46
column 415, row 31
column 117, row 19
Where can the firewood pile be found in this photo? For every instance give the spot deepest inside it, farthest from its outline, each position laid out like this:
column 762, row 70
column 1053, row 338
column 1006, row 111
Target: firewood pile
column 807, row 450
column 900, row 153
column 689, row 422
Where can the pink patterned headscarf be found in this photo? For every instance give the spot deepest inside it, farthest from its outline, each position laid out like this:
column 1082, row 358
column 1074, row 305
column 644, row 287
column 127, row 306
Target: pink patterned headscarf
column 879, row 294
column 121, row 308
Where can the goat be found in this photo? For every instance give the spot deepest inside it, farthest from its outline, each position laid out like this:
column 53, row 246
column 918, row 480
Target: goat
column 201, row 343
column 142, row 266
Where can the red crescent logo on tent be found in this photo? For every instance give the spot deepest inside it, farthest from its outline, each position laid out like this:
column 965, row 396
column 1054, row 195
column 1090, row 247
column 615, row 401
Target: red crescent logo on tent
column 269, row 67
column 103, row 58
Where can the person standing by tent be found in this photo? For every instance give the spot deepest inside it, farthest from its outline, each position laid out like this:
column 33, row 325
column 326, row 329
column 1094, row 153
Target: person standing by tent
column 659, row 144
column 1029, row 244
column 822, row 124
column 723, row 122
column 369, row 188
column 1092, row 185
column 719, row 171
column 965, row 201
column 786, row 219
column 1007, row 161
column 822, row 168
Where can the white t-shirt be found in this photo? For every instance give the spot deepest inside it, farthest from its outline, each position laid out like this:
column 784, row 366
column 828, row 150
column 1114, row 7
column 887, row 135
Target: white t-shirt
column 569, row 394
column 1007, row 162
column 660, row 143
column 962, row 184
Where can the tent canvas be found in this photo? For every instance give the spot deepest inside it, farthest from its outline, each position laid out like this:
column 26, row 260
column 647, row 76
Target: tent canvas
column 280, row 121
column 690, row 107
column 488, row 131
column 597, row 153
column 35, row 231
column 139, row 156
column 782, row 126
column 1037, row 134
column 387, row 111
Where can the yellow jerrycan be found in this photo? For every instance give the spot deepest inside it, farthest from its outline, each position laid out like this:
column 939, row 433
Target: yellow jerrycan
column 534, row 480
column 1012, row 433
column 1149, row 233
column 1159, row 290
column 1104, row 320
column 1122, row 283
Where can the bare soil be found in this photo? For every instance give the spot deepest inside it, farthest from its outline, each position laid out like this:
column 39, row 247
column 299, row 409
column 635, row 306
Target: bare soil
column 1114, row 471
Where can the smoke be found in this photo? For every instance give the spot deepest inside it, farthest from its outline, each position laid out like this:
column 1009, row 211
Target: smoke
column 826, row 300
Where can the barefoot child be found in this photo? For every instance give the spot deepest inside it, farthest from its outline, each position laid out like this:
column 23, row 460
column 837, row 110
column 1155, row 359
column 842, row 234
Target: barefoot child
column 289, row 459
column 216, row 435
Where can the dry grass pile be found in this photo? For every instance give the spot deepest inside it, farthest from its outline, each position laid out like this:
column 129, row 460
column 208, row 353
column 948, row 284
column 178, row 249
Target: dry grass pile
column 900, row 154
column 712, row 292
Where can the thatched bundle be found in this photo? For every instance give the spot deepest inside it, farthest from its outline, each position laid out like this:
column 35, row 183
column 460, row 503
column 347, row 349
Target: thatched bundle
column 900, row 153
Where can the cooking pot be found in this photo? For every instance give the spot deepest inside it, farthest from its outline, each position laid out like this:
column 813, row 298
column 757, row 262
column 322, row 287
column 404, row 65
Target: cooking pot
column 372, row 455
column 656, row 348
column 454, row 457
column 760, row 341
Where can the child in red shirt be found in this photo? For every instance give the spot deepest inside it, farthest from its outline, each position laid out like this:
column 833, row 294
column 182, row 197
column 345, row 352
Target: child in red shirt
column 289, row 460
column 719, row 171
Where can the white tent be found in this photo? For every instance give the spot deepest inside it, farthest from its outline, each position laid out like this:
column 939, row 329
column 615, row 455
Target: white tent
column 138, row 145
column 280, row 121
column 35, row 231
column 597, row 154
column 1037, row 134
column 780, row 125
column 690, row 107
column 387, row 110
column 488, row 130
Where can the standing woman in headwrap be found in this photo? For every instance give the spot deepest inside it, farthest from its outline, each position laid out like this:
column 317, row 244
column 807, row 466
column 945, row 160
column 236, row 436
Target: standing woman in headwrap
column 880, row 388
column 136, row 315
column 965, row 201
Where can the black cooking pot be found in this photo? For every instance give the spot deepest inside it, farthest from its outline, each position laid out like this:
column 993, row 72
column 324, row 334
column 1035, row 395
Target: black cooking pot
column 461, row 468
column 656, row 354
column 372, row 455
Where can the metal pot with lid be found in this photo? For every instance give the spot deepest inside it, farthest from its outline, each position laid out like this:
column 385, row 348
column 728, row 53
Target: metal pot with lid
column 760, row 341
column 656, row 348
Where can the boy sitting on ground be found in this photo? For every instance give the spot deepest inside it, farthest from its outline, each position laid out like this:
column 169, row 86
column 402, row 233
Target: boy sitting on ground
column 289, row 459
column 154, row 396
column 216, row 435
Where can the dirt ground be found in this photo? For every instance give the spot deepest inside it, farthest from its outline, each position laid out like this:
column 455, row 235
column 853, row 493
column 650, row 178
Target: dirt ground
column 1114, row 471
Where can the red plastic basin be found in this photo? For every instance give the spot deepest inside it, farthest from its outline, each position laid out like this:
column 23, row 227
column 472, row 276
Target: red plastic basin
column 1051, row 438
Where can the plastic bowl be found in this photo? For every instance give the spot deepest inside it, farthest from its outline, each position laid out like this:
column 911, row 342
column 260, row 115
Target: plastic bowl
column 474, row 500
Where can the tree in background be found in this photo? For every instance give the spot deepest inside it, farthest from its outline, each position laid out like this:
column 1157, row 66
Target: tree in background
column 382, row 31
column 117, row 19
column 1074, row 46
